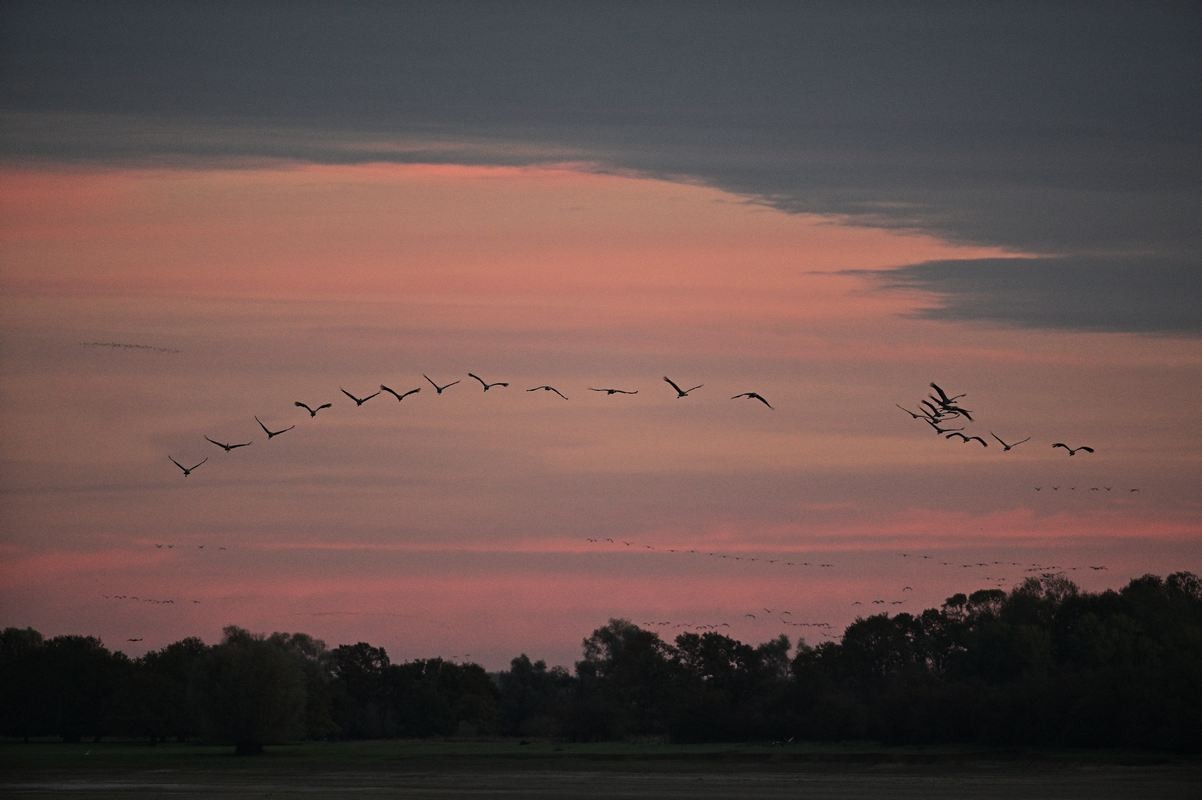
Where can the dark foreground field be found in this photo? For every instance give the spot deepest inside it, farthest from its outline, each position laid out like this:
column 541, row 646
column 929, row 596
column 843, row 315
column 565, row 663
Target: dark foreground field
column 422, row 770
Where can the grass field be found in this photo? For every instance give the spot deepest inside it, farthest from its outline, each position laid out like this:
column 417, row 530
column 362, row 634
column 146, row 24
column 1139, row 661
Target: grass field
column 420, row 770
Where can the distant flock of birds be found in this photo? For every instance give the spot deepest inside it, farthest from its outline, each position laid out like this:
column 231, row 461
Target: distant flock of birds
column 695, row 552
column 783, row 617
column 133, row 598
column 439, row 389
column 939, row 408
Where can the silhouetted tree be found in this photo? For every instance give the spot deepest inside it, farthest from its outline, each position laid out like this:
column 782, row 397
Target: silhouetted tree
column 158, row 704
column 360, row 702
column 251, row 692
column 626, row 675
column 23, row 694
column 533, row 699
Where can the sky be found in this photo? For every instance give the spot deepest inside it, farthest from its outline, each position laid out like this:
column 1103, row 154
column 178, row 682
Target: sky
column 211, row 211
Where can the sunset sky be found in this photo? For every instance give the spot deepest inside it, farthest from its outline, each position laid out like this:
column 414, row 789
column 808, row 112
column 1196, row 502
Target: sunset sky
column 211, row 211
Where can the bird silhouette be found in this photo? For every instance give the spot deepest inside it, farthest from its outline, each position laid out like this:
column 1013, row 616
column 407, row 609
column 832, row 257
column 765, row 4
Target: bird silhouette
column 359, row 400
column 188, row 470
column 270, row 433
column 954, row 410
column 967, row 439
column 752, row 396
column 313, row 411
column 1005, row 446
column 681, row 392
column 437, row 388
column 613, row 391
column 1072, row 451
column 546, row 388
column 913, row 414
column 943, row 396
column 484, row 383
column 227, row 447
column 138, row 639
column 940, row 430
column 401, row 396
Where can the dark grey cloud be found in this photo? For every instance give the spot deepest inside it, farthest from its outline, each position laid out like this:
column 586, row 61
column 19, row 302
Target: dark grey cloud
column 1148, row 295
column 1052, row 128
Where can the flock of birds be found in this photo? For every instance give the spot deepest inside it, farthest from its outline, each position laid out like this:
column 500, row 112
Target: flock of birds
column 781, row 617
column 129, row 346
column 696, row 552
column 133, row 598
column 940, row 409
column 439, row 389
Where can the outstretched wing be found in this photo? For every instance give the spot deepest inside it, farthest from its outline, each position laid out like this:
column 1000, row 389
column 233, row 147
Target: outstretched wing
column 672, row 383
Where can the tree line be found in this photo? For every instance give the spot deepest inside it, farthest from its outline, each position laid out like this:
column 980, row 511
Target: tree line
column 1043, row 665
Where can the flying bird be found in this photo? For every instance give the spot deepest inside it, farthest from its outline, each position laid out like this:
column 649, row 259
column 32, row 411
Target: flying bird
column 403, row 395
column 270, row 433
column 546, row 388
column 967, row 438
column 613, row 391
column 1005, row 446
column 911, row 413
column 752, row 396
column 437, row 388
column 138, row 639
column 940, row 430
column 681, row 392
column 227, row 447
column 188, row 470
column 484, row 383
column 1072, row 451
column 313, row 411
column 943, row 397
column 358, row 400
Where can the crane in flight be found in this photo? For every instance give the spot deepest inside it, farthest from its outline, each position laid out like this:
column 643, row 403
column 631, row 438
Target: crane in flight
column 1006, row 447
column 227, row 447
column 681, row 392
column 359, row 400
column 485, row 383
column 437, row 388
column 753, row 396
column 188, row 470
column 613, row 391
column 546, row 388
column 1072, row 451
column 270, row 433
column 313, row 411
column 401, row 396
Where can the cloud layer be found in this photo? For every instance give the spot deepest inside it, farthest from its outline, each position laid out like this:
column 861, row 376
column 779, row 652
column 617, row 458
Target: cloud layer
column 1060, row 130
